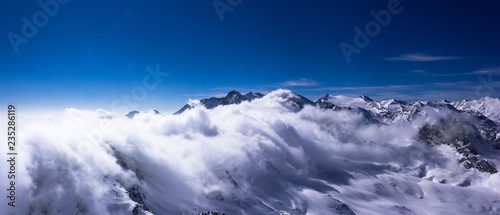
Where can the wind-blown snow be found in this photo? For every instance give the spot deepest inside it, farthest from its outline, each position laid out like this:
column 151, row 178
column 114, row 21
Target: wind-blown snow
column 259, row 157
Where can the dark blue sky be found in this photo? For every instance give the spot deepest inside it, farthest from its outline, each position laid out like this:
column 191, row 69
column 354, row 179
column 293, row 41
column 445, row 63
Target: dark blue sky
column 90, row 54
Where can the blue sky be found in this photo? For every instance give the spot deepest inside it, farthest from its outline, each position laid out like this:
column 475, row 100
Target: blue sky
column 89, row 54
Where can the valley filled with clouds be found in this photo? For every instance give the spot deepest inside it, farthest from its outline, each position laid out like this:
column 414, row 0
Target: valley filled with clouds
column 271, row 155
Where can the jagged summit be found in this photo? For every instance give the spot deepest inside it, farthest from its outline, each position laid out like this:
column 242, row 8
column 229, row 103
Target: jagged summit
column 252, row 96
column 233, row 97
column 324, row 98
column 323, row 102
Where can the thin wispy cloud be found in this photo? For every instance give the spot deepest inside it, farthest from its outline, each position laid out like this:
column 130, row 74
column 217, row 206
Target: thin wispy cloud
column 489, row 71
column 492, row 71
column 206, row 95
column 256, row 89
column 426, row 73
column 300, row 83
column 454, row 84
column 421, row 58
column 367, row 88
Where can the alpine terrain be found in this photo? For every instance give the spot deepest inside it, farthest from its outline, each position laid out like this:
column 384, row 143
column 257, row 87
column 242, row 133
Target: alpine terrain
column 279, row 153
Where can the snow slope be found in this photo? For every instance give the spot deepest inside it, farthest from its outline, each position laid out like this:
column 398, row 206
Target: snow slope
column 487, row 106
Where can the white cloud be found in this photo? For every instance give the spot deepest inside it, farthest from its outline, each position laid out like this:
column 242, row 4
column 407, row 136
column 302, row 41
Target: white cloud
column 300, row 83
column 258, row 157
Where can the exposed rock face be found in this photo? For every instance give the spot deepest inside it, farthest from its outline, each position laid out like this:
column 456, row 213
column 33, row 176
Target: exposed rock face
column 136, row 196
column 131, row 114
column 338, row 207
column 454, row 133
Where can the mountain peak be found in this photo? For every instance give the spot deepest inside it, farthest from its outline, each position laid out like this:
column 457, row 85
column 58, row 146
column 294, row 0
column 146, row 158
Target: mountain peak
column 251, row 96
column 233, row 92
column 131, row 114
column 324, row 98
column 233, row 97
column 366, row 98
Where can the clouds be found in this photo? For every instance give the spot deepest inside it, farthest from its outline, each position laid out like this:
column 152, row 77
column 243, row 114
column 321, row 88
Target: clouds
column 257, row 157
column 421, row 58
column 431, row 58
column 488, row 71
column 300, row 83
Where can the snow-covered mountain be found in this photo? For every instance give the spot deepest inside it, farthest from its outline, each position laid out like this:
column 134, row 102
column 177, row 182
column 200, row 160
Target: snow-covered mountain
column 278, row 153
column 486, row 106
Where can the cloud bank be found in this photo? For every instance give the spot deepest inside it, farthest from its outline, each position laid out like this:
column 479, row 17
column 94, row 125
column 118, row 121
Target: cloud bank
column 259, row 157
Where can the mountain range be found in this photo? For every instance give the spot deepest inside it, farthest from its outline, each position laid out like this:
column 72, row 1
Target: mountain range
column 482, row 127
column 278, row 153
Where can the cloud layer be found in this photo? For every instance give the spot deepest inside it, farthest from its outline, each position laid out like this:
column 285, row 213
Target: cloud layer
column 259, row 157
